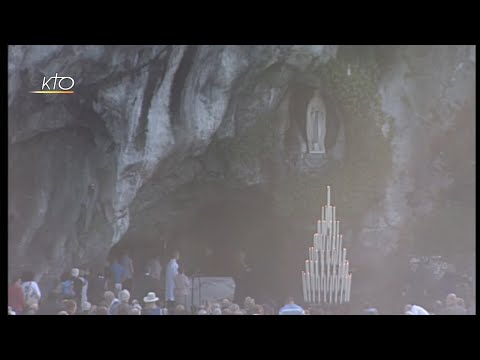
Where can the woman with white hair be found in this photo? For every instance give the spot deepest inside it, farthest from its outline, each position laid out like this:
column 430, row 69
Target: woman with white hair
column 110, row 300
column 123, row 297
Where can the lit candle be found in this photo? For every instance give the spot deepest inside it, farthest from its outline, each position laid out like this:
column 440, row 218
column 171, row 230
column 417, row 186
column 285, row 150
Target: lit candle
column 327, row 210
column 346, row 288
column 324, row 289
column 312, row 286
column 336, row 288
column 318, row 289
column 327, row 256
column 312, row 271
column 331, row 289
column 308, row 287
column 304, row 283
column 340, row 283
column 322, row 262
column 349, row 285
column 340, row 251
column 327, row 286
column 338, row 227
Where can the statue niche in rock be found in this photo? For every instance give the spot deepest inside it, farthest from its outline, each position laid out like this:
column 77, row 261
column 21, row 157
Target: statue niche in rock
column 316, row 124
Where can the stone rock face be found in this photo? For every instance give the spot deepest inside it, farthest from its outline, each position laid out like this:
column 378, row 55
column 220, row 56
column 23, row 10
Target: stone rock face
column 143, row 119
column 76, row 162
column 426, row 93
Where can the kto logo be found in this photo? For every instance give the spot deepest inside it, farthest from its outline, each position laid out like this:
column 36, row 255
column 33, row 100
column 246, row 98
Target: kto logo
column 60, row 85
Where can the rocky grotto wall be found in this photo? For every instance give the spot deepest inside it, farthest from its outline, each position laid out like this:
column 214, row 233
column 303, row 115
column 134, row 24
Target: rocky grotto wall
column 153, row 134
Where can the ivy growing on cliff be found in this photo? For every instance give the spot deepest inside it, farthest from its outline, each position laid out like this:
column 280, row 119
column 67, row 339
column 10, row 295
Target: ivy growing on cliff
column 255, row 143
column 361, row 179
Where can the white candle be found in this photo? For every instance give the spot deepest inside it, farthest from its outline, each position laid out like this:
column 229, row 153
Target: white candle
column 312, row 286
column 319, row 226
column 346, row 268
column 340, row 283
column 336, row 287
column 325, row 289
column 315, row 241
column 319, row 294
column 323, row 213
column 322, row 262
column 312, row 273
column 327, row 286
column 306, row 265
column 304, row 283
column 345, row 287
column 349, row 285
column 328, row 195
column 340, row 251
column 333, row 216
column 327, row 258
column 331, row 289
column 338, row 227
column 308, row 287
column 327, row 210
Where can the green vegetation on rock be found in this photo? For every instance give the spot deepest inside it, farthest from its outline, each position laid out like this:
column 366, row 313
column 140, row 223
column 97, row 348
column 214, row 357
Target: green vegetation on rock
column 361, row 179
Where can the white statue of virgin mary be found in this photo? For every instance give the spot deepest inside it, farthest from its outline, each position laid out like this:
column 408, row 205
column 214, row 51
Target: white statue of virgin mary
column 316, row 124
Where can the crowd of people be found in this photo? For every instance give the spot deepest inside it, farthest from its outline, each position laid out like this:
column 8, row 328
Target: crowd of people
column 119, row 290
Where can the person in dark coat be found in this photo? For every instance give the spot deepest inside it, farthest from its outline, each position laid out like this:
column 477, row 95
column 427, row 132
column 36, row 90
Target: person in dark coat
column 242, row 274
column 96, row 288
column 145, row 283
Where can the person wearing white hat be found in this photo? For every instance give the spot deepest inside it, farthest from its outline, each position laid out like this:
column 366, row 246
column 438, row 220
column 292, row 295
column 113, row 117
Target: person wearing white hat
column 415, row 310
column 151, row 307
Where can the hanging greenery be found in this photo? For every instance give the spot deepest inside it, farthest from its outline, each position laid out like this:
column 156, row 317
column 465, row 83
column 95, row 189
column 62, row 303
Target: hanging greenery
column 361, row 179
